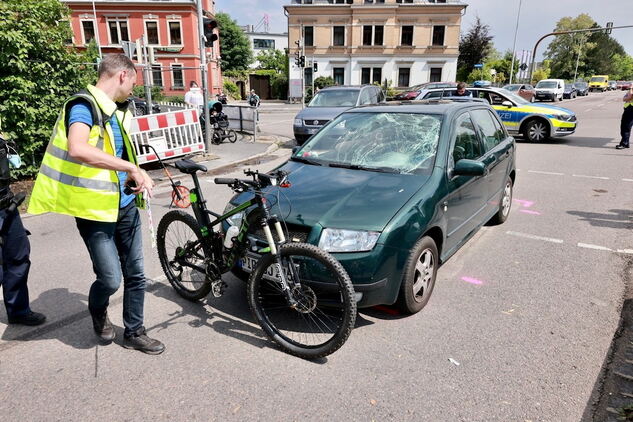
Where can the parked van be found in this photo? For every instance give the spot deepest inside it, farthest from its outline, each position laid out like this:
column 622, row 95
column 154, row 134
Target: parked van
column 599, row 83
column 550, row 89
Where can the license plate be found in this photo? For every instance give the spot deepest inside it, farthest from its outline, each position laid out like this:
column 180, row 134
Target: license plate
column 249, row 263
column 312, row 131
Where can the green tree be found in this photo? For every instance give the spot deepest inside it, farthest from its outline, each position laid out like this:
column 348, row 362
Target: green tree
column 38, row 71
column 542, row 72
column 235, row 48
column 563, row 51
column 599, row 54
column 474, row 46
column 622, row 67
column 273, row 59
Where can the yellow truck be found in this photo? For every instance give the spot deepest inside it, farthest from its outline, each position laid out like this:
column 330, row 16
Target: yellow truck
column 599, row 83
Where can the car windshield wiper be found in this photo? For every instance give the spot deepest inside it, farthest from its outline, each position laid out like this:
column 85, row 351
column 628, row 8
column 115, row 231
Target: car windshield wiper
column 305, row 160
column 367, row 168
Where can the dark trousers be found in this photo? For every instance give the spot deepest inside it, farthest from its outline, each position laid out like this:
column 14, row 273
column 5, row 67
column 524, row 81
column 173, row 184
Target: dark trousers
column 116, row 250
column 625, row 125
column 14, row 271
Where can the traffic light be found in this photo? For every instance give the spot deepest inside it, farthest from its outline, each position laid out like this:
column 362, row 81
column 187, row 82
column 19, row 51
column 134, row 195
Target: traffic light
column 315, row 67
column 297, row 58
column 302, row 61
column 208, row 26
column 609, row 26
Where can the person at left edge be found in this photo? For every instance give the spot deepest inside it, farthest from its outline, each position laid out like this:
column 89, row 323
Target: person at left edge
column 87, row 165
column 14, row 252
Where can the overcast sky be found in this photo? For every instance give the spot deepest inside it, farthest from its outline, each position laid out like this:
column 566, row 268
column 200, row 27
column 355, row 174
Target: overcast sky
column 538, row 17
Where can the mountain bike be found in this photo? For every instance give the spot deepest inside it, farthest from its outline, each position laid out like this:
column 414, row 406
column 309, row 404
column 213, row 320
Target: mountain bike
column 300, row 295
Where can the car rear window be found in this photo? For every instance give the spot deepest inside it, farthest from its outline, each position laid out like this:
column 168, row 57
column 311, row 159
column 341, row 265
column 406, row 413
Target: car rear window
column 335, row 98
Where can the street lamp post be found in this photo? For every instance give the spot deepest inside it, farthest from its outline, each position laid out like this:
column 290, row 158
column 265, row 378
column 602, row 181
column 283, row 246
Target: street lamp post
column 514, row 46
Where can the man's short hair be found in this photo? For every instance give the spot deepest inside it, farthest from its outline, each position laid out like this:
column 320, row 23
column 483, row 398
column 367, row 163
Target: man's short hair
column 461, row 85
column 113, row 63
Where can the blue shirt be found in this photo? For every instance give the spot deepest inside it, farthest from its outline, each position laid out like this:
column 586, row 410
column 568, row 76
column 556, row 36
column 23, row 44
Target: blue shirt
column 80, row 113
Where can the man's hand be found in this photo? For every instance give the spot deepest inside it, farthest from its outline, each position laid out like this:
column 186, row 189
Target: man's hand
column 141, row 180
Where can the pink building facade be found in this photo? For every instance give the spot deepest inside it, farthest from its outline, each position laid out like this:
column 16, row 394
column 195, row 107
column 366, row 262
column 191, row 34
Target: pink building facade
column 170, row 28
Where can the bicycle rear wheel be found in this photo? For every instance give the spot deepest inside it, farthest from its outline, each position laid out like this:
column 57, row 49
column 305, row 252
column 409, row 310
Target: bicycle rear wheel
column 326, row 309
column 183, row 255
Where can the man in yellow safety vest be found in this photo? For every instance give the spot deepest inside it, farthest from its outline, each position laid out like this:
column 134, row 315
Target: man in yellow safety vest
column 90, row 172
column 627, row 120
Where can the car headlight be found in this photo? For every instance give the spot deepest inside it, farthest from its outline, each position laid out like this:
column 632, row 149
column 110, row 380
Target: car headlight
column 234, row 220
column 565, row 117
column 298, row 122
column 338, row 240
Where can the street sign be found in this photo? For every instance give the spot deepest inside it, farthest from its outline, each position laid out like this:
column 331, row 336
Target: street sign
column 479, row 66
column 523, row 66
column 128, row 48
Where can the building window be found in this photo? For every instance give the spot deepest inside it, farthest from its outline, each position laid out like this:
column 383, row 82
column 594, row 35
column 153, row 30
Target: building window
column 88, row 30
column 177, row 76
column 175, row 33
column 338, row 1
column 374, row 1
column 151, row 29
column 367, row 30
column 404, row 1
column 370, row 75
column 436, row 74
column 407, row 35
column 374, row 33
column 378, row 34
column 438, row 34
column 157, row 75
column 403, row 76
column 118, row 31
column 339, row 35
column 338, row 74
column 308, row 36
column 307, row 76
column 263, row 44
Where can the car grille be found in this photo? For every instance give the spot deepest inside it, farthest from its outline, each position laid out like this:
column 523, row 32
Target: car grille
column 295, row 232
column 315, row 122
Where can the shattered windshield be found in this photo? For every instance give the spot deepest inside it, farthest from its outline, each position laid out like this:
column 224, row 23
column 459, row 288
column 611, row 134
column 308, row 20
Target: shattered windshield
column 388, row 142
column 335, row 98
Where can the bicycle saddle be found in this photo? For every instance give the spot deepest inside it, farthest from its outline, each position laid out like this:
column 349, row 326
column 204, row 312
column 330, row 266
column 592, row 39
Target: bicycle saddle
column 189, row 167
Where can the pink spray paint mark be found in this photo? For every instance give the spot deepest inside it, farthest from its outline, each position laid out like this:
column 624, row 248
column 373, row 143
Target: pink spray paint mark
column 472, row 280
column 530, row 212
column 524, row 203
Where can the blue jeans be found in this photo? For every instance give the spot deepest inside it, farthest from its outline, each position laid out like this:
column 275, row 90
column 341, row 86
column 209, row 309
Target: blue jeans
column 14, row 264
column 116, row 250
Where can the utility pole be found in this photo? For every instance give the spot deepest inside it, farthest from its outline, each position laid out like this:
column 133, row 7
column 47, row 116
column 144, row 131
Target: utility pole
column 94, row 13
column 514, row 46
column 147, row 75
column 203, row 71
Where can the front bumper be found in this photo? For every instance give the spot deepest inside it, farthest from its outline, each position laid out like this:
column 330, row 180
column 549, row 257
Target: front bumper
column 305, row 130
column 564, row 131
column 545, row 95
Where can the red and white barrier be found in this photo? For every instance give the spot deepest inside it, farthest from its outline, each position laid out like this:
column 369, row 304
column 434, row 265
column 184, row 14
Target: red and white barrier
column 172, row 134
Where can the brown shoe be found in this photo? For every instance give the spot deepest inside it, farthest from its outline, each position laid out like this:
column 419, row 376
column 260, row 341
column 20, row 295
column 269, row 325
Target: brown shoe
column 140, row 341
column 102, row 326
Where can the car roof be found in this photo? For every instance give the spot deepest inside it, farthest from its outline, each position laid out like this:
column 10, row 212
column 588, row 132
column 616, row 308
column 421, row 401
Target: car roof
column 421, row 106
column 350, row 87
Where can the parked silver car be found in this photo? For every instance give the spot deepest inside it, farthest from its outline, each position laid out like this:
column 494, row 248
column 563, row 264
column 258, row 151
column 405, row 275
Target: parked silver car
column 329, row 103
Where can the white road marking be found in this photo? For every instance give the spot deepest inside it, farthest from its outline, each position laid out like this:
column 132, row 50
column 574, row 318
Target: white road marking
column 534, row 237
column 546, row 172
column 589, row 109
column 627, row 180
column 590, row 177
column 596, row 247
column 626, row 251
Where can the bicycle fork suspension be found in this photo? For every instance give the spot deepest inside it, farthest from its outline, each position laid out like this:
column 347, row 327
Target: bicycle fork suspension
column 285, row 285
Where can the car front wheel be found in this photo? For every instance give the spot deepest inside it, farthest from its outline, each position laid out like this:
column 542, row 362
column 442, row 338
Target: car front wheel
column 535, row 131
column 419, row 276
column 504, row 204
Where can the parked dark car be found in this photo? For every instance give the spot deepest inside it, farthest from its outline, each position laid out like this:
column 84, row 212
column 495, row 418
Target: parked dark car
column 524, row 91
column 329, row 103
column 140, row 106
column 569, row 91
column 392, row 191
column 626, row 85
column 582, row 88
column 414, row 91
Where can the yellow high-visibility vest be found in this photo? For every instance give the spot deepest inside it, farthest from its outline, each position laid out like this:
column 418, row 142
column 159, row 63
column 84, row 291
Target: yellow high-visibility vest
column 67, row 186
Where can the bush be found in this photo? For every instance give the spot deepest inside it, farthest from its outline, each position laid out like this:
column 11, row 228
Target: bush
column 323, row 81
column 279, row 85
column 231, row 88
column 174, row 99
column 157, row 92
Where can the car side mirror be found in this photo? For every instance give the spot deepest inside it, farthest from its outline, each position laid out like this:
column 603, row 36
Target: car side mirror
column 465, row 167
column 506, row 103
column 295, row 149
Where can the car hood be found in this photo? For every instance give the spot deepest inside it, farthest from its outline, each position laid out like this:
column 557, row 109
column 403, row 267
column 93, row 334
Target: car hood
column 320, row 113
column 344, row 198
column 549, row 109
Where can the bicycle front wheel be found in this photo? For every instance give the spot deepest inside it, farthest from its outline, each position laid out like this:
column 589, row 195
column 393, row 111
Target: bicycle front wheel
column 232, row 136
column 183, row 254
column 325, row 310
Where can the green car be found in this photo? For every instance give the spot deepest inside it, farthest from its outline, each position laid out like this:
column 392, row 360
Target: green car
column 392, row 191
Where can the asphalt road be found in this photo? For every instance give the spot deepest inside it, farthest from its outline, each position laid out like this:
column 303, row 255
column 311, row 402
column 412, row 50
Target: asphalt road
column 523, row 339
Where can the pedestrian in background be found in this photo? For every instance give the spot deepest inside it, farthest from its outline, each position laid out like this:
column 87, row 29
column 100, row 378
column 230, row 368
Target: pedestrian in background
column 194, row 97
column 14, row 247
column 253, row 99
column 627, row 120
column 84, row 173
column 462, row 91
